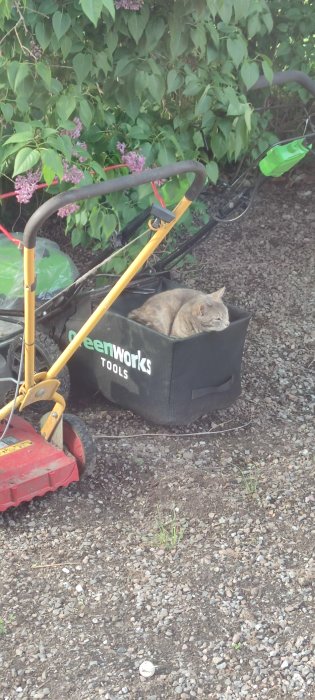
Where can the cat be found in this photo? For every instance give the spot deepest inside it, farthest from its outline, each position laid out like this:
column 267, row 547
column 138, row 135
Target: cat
column 182, row 312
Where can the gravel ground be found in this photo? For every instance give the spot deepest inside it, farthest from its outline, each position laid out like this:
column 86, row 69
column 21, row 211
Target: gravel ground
column 194, row 552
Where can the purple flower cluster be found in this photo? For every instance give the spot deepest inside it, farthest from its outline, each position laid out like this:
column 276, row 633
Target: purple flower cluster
column 67, row 210
column 134, row 161
column 128, row 4
column 74, row 133
column 71, row 173
column 25, row 186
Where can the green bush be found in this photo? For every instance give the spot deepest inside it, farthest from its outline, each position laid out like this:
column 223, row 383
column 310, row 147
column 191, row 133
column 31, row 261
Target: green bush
column 291, row 44
column 167, row 78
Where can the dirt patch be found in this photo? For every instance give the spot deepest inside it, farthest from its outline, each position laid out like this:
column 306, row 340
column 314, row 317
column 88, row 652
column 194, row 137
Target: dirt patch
column 191, row 548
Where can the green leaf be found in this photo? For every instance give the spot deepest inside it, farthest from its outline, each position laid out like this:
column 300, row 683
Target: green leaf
column 98, row 169
column 61, row 143
column 141, row 83
column 17, row 75
column 173, row 80
column 56, row 86
column 85, row 113
column 193, row 87
column 76, row 237
column 224, row 9
column 112, row 41
column 268, row 72
column 248, row 117
column 154, row 32
column 198, row 139
column 65, row 105
column 268, row 21
column 199, row 38
column 128, row 102
column 52, row 165
column 241, row 9
column 21, row 137
column 237, row 49
column 253, row 26
column 95, row 222
column 7, row 151
column 211, row 55
column 178, row 39
column 118, row 265
column 44, row 72
column 87, row 179
column 124, row 66
column 48, row 131
column 26, row 126
column 82, row 64
column 7, row 111
column 137, row 22
column 249, row 73
column 25, row 160
column 214, row 36
column 165, row 154
column 109, row 223
column 203, row 104
column 212, row 171
column 240, row 137
column 61, row 22
column 218, row 145
column 102, row 61
column 42, row 35
column 92, row 9
column 65, row 46
column 142, row 130
column 109, row 5
column 81, row 217
column 156, row 86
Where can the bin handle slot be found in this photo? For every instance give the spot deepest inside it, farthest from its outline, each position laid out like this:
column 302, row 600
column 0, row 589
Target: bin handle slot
column 206, row 390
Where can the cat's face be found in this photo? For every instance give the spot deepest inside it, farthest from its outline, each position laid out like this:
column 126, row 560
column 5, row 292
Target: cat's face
column 212, row 313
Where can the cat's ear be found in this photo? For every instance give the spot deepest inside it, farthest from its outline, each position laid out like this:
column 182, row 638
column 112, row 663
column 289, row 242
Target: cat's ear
column 202, row 308
column 217, row 296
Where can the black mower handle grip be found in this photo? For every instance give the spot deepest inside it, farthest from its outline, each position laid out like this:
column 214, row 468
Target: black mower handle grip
column 120, row 183
column 287, row 76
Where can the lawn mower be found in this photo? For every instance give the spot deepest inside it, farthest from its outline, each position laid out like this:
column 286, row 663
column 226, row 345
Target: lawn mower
column 72, row 321
column 31, row 462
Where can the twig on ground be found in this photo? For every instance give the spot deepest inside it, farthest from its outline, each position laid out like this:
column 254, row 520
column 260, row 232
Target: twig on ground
column 53, row 565
column 174, row 435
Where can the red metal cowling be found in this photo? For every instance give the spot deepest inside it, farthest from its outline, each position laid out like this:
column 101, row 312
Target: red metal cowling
column 30, row 466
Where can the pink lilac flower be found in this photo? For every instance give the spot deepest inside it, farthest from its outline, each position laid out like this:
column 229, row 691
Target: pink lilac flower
column 129, row 4
column 159, row 183
column 83, row 147
column 67, row 210
column 74, row 133
column 71, row 173
column 25, row 186
column 133, row 160
column 121, row 147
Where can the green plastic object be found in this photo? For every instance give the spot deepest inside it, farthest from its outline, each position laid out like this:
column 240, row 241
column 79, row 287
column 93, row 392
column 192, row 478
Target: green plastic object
column 282, row 158
column 54, row 270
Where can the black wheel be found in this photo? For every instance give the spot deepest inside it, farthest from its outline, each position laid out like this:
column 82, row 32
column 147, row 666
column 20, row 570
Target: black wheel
column 78, row 440
column 46, row 352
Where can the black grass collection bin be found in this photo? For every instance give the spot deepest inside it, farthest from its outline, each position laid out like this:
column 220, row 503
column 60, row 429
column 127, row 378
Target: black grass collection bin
column 168, row 381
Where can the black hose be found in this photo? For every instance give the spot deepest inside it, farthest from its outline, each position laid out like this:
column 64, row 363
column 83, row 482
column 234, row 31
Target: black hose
column 287, row 76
